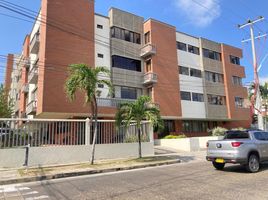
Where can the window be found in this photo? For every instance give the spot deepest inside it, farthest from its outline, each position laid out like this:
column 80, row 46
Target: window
column 216, row 100
column 237, row 80
column 198, row 97
column 235, row 60
column 126, row 35
column 239, row 102
column 184, row 70
column 186, row 96
column 193, row 49
column 236, row 135
column 212, row 54
column 148, row 66
column 169, row 126
column 100, row 55
column 100, row 86
column 99, row 26
column 195, row 126
column 195, row 73
column 147, row 37
column 261, row 135
column 214, row 77
column 128, row 93
column 126, row 63
column 181, row 46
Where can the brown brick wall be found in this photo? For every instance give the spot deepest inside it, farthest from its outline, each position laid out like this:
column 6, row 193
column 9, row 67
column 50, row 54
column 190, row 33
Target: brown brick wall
column 9, row 69
column 165, row 65
column 59, row 49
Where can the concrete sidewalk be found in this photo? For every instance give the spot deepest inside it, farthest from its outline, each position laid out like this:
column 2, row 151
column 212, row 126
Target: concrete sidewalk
column 163, row 156
column 12, row 176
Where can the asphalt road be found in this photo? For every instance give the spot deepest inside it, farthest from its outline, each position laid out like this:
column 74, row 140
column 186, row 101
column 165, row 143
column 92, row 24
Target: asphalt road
column 193, row 180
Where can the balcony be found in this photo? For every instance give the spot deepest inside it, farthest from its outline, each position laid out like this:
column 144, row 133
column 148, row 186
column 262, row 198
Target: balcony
column 27, row 63
column 34, row 45
column 148, row 50
column 33, row 75
column 150, row 78
column 111, row 102
column 25, row 88
column 31, row 108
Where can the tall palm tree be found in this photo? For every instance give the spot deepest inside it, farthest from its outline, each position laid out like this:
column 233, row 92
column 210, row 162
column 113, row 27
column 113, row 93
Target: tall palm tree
column 142, row 109
column 86, row 79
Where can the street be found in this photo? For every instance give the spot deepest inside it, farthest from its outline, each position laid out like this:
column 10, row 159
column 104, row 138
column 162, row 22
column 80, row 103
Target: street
column 192, row 180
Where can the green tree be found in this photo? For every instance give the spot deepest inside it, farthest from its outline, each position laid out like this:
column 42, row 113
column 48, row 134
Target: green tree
column 6, row 106
column 86, row 79
column 142, row 109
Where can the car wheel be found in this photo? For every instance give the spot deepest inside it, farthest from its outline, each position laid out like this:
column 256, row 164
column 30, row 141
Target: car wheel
column 218, row 166
column 253, row 164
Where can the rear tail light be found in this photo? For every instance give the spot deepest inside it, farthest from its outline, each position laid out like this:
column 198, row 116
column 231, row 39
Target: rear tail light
column 207, row 144
column 237, row 144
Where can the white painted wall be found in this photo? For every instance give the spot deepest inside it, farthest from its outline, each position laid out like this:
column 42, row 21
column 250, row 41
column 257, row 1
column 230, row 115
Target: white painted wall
column 186, row 144
column 103, row 35
column 33, row 57
column 191, row 109
column 54, row 155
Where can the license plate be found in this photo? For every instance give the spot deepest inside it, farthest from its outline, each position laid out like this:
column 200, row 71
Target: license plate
column 219, row 160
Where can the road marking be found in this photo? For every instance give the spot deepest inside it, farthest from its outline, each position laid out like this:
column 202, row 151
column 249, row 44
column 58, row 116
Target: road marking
column 29, row 193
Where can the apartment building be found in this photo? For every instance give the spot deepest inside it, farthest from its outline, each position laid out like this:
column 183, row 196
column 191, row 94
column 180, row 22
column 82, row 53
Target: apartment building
column 197, row 83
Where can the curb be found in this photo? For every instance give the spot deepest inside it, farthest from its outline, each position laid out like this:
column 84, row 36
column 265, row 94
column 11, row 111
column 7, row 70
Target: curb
column 82, row 173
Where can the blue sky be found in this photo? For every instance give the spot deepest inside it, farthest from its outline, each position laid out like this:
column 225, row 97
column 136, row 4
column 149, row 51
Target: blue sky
column 213, row 19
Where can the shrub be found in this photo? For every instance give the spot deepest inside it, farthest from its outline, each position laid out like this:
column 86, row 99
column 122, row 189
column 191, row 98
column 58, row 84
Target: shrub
column 219, row 131
column 174, row 136
column 238, row 129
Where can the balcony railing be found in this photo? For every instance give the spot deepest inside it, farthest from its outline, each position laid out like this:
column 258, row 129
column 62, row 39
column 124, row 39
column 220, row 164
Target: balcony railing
column 150, row 78
column 27, row 63
column 31, row 108
column 25, row 88
column 110, row 102
column 148, row 50
column 33, row 75
column 34, row 45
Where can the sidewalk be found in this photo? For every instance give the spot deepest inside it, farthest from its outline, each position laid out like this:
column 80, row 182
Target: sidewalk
column 13, row 176
column 162, row 157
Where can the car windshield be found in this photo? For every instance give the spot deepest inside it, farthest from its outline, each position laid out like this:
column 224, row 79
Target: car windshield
column 236, row 135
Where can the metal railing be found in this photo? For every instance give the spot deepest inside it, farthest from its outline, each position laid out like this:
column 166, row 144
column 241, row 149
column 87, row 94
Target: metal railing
column 112, row 102
column 25, row 88
column 34, row 44
column 31, row 107
column 150, row 78
column 16, row 133
column 148, row 50
column 33, row 75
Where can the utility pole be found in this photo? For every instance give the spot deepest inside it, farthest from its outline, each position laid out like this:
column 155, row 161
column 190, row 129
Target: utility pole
column 256, row 97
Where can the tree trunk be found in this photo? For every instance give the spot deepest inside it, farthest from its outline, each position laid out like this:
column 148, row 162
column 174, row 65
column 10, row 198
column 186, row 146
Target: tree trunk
column 95, row 113
column 139, row 137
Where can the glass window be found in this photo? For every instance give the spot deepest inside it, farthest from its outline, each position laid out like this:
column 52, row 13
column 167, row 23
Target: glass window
column 181, row 46
column 128, row 93
column 214, row 77
column 186, row 96
column 126, row 35
column 236, row 135
column 147, row 37
column 239, row 102
column 261, row 135
column 99, row 26
column 198, row 97
column 184, row 70
column 195, row 126
column 235, row 60
column 212, row 54
column 126, row 63
column 195, row 73
column 100, row 55
column 193, row 49
column 237, row 80
column 216, row 100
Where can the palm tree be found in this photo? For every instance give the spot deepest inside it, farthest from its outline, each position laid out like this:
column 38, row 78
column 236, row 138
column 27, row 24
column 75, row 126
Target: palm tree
column 142, row 109
column 86, row 79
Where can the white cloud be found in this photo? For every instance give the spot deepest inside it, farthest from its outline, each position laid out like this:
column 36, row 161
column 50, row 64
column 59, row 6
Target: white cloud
column 201, row 13
column 263, row 80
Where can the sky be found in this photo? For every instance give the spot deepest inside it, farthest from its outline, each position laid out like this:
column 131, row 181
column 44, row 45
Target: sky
column 216, row 20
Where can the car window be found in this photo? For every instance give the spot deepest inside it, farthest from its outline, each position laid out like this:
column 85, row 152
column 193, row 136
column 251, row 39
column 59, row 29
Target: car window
column 236, row 135
column 261, row 135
